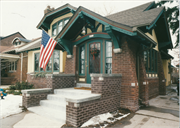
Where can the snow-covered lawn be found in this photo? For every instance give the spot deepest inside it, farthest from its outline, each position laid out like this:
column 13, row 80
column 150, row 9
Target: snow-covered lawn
column 10, row 105
column 107, row 117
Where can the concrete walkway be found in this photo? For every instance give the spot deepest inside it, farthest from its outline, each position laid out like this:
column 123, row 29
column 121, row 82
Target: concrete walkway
column 163, row 112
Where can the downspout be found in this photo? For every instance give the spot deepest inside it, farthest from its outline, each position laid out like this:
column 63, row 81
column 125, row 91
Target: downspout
column 21, row 66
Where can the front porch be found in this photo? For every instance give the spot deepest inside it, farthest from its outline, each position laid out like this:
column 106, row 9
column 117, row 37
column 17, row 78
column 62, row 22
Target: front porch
column 74, row 106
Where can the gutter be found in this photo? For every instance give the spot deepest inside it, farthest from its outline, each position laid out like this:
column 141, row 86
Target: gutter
column 144, row 35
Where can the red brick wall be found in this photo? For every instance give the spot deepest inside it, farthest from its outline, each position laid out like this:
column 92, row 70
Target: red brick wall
column 125, row 63
column 8, row 41
column 70, row 66
column 109, row 88
column 16, row 75
column 38, row 82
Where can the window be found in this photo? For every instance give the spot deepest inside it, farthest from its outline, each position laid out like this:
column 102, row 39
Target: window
column 150, row 61
column 36, row 57
column 82, row 60
column 56, row 61
column 108, row 59
column 52, row 65
column 13, row 66
column 58, row 26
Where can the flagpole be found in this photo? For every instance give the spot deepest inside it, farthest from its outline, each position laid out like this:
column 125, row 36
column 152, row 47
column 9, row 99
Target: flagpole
column 57, row 42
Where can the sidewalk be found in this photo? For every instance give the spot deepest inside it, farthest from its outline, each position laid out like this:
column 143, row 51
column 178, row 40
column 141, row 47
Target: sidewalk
column 162, row 112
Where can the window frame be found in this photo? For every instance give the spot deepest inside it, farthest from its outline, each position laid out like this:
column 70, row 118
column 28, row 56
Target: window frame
column 57, row 27
column 14, row 64
column 81, row 60
column 52, row 58
column 151, row 65
column 108, row 57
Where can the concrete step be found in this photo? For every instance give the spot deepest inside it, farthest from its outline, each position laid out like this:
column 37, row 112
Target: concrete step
column 52, row 114
column 83, row 85
column 61, row 106
column 72, row 92
column 58, row 98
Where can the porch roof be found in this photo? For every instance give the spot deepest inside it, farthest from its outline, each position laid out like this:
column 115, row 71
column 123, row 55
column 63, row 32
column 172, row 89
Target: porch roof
column 8, row 57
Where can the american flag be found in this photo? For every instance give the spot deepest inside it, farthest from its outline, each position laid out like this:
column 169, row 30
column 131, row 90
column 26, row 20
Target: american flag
column 47, row 47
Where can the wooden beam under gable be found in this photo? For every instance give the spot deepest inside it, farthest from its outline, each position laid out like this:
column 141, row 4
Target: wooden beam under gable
column 113, row 36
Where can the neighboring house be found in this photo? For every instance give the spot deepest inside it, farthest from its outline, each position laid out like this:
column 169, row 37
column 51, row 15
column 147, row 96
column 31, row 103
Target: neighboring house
column 13, row 66
column 174, row 74
column 123, row 58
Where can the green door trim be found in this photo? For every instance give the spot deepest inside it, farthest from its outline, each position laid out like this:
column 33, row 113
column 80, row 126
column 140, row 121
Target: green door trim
column 88, row 78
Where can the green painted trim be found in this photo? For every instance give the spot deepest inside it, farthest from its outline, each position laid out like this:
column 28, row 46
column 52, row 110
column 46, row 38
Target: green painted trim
column 81, row 59
column 152, row 25
column 88, row 77
column 100, row 21
column 113, row 27
column 68, row 45
column 149, row 6
column 86, row 37
column 46, row 25
column 113, row 36
column 54, row 13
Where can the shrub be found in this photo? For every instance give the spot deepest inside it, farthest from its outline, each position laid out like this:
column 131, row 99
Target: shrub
column 23, row 85
column 12, row 87
column 17, row 93
column 10, row 91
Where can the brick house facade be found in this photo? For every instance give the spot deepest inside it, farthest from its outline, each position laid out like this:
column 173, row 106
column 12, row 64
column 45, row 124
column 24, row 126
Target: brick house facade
column 13, row 64
column 118, row 58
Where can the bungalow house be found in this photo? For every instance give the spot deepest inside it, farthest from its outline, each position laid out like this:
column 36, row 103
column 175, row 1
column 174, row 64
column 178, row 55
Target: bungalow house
column 13, row 65
column 121, row 57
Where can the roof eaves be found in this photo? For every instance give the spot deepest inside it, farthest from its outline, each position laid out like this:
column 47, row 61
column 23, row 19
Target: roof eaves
column 151, row 5
column 144, row 35
column 52, row 12
column 98, row 17
column 156, row 19
column 12, row 35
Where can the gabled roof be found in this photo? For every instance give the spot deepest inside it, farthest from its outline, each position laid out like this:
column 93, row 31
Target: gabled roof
column 48, row 17
column 12, row 35
column 7, row 40
column 34, row 44
column 142, row 15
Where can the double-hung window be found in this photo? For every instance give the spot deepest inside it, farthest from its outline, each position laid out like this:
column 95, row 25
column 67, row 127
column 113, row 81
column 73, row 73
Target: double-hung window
column 150, row 62
column 58, row 26
column 52, row 65
column 12, row 66
column 108, row 58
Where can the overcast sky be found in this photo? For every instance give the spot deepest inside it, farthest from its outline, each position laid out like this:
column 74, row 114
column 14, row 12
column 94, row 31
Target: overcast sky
column 23, row 16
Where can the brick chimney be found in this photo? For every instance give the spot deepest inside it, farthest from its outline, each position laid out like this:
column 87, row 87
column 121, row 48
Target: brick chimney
column 48, row 9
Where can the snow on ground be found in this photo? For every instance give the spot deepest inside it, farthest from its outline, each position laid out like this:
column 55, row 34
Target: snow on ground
column 10, row 105
column 103, row 117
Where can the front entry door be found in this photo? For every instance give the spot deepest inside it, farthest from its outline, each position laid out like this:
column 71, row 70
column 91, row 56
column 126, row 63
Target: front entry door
column 94, row 59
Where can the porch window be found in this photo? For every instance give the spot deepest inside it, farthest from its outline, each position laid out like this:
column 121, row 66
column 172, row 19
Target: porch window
column 36, row 66
column 13, row 66
column 52, row 65
column 56, row 61
column 82, row 60
column 150, row 61
column 108, row 59
column 57, row 27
